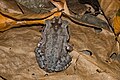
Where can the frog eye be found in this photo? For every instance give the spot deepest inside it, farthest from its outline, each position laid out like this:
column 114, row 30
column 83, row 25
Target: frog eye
column 69, row 48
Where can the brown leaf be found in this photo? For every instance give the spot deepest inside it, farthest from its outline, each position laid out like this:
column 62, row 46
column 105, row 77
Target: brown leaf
column 14, row 19
column 116, row 23
column 110, row 7
column 11, row 6
column 17, row 57
column 61, row 5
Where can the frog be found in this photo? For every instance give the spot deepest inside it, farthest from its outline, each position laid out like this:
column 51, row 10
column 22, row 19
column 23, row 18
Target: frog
column 52, row 52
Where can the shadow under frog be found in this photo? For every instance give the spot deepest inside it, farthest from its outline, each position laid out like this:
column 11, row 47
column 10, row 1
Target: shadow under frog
column 52, row 51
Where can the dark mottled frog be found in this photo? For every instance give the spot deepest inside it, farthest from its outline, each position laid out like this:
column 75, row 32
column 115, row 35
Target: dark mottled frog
column 52, row 51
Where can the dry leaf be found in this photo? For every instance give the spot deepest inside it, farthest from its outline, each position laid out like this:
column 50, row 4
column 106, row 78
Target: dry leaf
column 16, row 20
column 61, row 5
column 17, row 58
column 11, row 6
column 110, row 8
column 116, row 23
column 9, row 20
